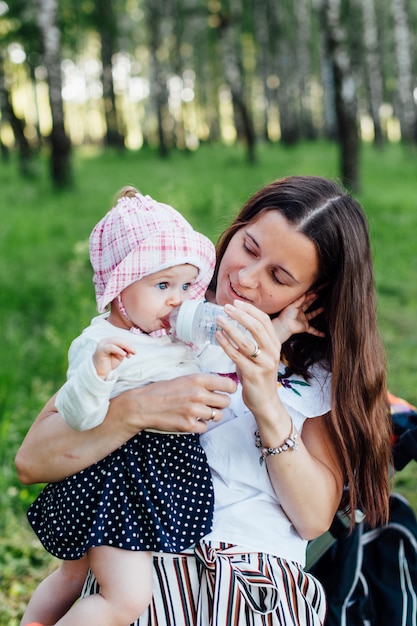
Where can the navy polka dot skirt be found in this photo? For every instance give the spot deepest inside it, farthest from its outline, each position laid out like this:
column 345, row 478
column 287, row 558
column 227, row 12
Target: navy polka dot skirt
column 153, row 493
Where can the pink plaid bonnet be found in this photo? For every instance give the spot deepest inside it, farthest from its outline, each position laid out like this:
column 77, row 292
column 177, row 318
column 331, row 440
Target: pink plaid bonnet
column 140, row 236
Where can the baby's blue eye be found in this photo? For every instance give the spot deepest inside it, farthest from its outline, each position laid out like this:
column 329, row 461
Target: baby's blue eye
column 186, row 286
column 162, row 286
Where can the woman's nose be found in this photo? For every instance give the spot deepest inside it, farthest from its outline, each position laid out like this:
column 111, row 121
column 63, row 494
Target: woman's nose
column 249, row 275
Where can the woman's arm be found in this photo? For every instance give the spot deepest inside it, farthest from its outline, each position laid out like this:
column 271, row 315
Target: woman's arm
column 51, row 450
column 308, row 482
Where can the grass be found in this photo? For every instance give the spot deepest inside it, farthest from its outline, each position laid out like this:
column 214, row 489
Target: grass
column 47, row 293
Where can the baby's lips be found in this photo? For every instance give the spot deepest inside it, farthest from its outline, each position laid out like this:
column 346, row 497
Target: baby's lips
column 166, row 324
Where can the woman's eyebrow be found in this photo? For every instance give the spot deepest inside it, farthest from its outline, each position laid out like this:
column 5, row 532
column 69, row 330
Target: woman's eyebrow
column 279, row 267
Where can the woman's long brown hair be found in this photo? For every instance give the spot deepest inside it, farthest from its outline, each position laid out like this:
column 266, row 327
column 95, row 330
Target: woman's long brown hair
column 359, row 422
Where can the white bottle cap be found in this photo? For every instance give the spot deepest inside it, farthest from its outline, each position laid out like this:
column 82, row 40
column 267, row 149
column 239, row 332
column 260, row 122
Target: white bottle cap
column 185, row 317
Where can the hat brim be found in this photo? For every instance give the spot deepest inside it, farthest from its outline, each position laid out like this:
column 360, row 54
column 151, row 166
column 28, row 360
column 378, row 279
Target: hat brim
column 160, row 252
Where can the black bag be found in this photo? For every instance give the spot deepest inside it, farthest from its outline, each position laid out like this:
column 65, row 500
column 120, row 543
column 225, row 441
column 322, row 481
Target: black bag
column 370, row 575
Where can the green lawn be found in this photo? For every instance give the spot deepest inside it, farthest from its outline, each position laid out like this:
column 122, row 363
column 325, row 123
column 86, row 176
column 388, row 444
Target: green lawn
column 47, row 293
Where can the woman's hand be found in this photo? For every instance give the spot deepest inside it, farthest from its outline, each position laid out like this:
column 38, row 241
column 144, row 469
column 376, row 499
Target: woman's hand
column 184, row 404
column 256, row 360
column 52, row 450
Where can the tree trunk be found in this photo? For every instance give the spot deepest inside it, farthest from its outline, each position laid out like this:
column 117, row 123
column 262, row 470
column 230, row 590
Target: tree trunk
column 107, row 24
column 261, row 14
column 403, row 45
column 327, row 77
column 229, row 37
column 303, row 60
column 177, row 33
column 158, row 81
column 345, row 94
column 282, row 33
column 329, row 95
column 207, row 95
column 17, row 126
column 33, row 61
column 47, row 15
column 373, row 64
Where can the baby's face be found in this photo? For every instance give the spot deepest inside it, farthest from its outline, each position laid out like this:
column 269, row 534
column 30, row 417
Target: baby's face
column 150, row 300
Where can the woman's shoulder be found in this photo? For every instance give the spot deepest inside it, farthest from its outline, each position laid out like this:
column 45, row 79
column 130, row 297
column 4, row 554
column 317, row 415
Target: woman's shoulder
column 311, row 397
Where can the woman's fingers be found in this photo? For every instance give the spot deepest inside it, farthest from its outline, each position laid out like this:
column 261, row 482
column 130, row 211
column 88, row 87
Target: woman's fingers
column 257, row 323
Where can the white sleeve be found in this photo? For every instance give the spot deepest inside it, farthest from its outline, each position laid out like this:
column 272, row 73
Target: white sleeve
column 83, row 400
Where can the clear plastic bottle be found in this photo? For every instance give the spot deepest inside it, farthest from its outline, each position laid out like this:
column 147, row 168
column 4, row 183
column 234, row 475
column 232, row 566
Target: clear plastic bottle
column 195, row 322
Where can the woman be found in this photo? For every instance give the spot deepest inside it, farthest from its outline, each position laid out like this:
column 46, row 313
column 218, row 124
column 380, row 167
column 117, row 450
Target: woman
column 279, row 461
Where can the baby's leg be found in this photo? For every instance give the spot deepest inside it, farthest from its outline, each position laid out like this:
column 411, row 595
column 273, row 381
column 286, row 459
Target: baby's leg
column 125, row 579
column 56, row 594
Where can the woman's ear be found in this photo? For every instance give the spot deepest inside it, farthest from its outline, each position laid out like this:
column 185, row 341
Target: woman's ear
column 318, row 288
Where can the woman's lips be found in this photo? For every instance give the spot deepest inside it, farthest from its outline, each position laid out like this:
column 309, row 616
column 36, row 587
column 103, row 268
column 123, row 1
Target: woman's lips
column 237, row 294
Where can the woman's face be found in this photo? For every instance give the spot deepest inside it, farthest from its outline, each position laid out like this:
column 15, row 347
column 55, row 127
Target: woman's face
column 267, row 263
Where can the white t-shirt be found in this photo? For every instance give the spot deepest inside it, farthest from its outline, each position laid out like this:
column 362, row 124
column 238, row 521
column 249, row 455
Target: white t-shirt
column 247, row 511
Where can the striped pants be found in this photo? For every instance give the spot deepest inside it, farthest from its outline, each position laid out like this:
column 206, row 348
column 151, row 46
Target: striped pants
column 221, row 585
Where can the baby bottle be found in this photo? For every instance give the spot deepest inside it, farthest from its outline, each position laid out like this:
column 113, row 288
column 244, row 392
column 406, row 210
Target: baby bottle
column 195, row 322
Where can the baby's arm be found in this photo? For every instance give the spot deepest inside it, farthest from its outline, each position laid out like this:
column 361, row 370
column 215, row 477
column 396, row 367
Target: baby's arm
column 294, row 320
column 84, row 399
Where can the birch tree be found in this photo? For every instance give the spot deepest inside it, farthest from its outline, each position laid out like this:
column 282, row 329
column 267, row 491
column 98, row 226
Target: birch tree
column 345, row 92
column 290, row 36
column 405, row 82
column 47, row 21
column 16, row 124
column 373, row 65
column 107, row 27
column 303, row 56
column 283, row 34
column 208, row 78
column 233, row 68
column 261, row 22
column 328, row 87
column 158, row 77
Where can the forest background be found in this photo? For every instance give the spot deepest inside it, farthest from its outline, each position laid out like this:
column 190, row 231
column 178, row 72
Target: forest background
column 199, row 104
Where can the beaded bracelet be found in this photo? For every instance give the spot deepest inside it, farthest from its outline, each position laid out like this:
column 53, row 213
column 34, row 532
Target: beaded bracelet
column 289, row 444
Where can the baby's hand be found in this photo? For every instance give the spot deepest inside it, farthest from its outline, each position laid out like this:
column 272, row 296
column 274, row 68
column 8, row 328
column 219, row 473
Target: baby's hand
column 294, row 320
column 109, row 353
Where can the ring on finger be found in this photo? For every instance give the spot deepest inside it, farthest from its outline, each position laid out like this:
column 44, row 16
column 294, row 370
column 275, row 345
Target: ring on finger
column 213, row 415
column 255, row 352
